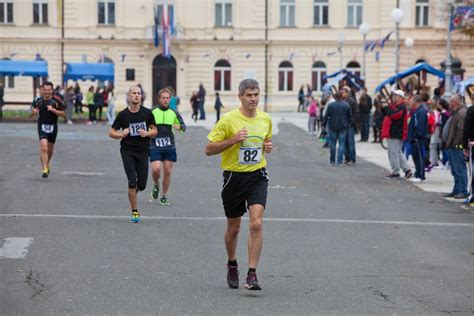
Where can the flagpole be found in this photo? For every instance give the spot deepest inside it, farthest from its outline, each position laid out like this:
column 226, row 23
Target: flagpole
column 449, row 72
column 265, row 98
column 62, row 44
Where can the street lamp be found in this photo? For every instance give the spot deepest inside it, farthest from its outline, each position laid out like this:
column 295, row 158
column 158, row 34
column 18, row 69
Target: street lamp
column 449, row 72
column 397, row 17
column 364, row 29
column 340, row 41
column 409, row 42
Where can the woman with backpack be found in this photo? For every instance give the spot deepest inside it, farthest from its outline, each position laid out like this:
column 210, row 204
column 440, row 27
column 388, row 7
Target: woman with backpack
column 312, row 112
column 435, row 138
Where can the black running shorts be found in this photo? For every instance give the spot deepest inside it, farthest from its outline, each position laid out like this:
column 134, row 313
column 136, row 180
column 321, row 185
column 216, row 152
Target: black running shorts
column 242, row 189
column 136, row 168
column 48, row 131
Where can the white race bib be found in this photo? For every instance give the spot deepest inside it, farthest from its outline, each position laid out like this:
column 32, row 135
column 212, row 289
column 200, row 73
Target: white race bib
column 163, row 142
column 47, row 128
column 136, row 127
column 250, row 156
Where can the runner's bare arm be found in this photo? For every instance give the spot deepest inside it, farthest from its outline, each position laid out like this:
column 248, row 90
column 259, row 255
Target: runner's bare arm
column 268, row 145
column 214, row 148
column 152, row 132
column 56, row 111
column 113, row 133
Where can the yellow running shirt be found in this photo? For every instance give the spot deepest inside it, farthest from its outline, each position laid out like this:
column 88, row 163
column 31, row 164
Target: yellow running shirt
column 248, row 155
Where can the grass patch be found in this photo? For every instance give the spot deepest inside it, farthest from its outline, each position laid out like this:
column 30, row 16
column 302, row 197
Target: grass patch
column 20, row 114
column 28, row 115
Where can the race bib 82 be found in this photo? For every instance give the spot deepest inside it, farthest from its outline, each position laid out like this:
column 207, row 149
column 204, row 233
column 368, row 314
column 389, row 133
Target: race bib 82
column 251, row 150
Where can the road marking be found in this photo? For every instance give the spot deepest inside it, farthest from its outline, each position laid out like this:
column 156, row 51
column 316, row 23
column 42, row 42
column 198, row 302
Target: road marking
column 15, row 248
column 268, row 219
column 80, row 173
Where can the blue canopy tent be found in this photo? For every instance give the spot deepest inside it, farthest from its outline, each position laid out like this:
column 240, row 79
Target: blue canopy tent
column 30, row 68
column 33, row 68
column 86, row 71
column 462, row 86
column 410, row 71
column 336, row 77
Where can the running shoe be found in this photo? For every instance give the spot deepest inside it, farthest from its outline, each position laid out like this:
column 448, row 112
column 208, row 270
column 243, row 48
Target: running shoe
column 135, row 218
column 392, row 176
column 155, row 192
column 252, row 282
column 45, row 173
column 408, row 174
column 233, row 276
column 164, row 201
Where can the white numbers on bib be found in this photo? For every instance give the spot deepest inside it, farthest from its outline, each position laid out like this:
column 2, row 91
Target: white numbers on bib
column 47, row 128
column 163, row 142
column 250, row 156
column 136, row 127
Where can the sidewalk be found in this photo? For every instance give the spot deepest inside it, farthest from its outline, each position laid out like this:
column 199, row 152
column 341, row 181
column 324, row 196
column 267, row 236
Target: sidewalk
column 439, row 181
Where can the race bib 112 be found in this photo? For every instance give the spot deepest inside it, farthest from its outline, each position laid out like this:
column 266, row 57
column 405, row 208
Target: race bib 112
column 162, row 142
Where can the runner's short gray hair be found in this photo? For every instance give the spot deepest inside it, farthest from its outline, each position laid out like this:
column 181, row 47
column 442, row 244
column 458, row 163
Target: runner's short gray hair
column 248, row 84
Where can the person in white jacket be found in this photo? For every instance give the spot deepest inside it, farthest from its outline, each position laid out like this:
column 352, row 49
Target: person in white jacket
column 111, row 105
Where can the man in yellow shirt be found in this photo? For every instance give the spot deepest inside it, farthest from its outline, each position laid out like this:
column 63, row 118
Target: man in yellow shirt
column 243, row 136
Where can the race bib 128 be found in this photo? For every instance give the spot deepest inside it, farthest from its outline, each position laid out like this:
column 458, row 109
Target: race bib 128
column 136, row 127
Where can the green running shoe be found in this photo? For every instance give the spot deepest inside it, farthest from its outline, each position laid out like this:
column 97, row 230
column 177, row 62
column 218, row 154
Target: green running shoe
column 155, row 192
column 164, row 201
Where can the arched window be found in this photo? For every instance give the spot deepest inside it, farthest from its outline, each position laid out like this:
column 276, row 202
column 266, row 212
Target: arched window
column 354, row 68
column 222, row 72
column 421, row 60
column 319, row 70
column 285, row 76
column 7, row 81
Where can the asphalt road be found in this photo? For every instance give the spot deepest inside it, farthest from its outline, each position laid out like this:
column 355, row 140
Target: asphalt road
column 337, row 240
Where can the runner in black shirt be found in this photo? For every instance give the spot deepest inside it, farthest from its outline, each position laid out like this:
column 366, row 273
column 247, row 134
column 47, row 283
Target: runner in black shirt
column 48, row 110
column 134, row 126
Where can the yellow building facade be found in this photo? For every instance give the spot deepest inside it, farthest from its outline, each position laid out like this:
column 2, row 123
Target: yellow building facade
column 282, row 43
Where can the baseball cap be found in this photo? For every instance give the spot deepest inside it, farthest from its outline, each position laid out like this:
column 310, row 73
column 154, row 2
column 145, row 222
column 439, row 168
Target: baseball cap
column 399, row 93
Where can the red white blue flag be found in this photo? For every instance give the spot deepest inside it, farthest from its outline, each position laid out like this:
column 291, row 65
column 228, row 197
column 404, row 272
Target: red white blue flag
column 165, row 24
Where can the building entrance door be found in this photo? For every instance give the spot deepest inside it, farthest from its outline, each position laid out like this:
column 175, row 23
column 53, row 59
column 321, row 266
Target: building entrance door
column 164, row 75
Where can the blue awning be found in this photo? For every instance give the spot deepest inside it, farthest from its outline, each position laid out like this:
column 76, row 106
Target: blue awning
column 461, row 86
column 351, row 80
column 86, row 71
column 36, row 68
column 333, row 74
column 333, row 82
column 412, row 70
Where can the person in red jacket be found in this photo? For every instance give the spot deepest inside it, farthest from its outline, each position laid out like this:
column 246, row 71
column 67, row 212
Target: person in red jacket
column 395, row 129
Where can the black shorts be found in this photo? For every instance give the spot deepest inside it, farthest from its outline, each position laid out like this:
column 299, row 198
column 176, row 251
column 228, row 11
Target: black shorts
column 242, row 189
column 136, row 169
column 48, row 131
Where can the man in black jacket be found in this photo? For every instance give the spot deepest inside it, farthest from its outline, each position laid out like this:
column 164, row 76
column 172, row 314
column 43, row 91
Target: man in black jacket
column 350, row 150
column 338, row 119
column 468, row 143
column 365, row 106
